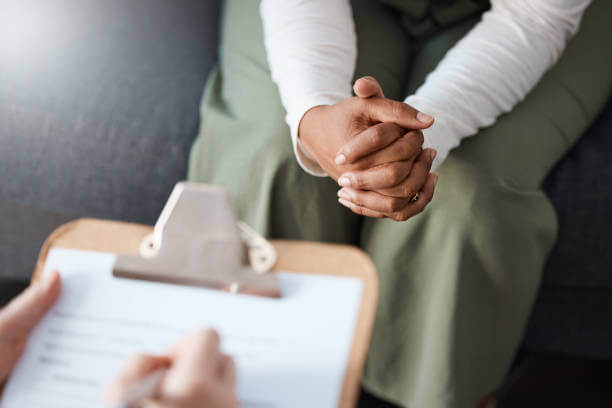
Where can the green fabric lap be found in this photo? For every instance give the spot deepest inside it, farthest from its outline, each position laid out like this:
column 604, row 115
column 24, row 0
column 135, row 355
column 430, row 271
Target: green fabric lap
column 471, row 263
column 457, row 282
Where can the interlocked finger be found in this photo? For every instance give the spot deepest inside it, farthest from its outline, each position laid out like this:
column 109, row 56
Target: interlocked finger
column 379, row 177
column 372, row 139
column 357, row 209
column 425, row 197
column 372, row 204
column 412, row 184
column 374, row 201
column 406, row 148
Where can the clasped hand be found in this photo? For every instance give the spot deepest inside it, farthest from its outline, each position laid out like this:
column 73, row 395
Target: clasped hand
column 373, row 147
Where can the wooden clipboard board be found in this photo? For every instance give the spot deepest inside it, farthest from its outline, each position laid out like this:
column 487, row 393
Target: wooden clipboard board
column 296, row 256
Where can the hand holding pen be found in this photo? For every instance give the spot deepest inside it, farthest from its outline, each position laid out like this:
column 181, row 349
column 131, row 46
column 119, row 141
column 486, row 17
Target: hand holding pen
column 195, row 373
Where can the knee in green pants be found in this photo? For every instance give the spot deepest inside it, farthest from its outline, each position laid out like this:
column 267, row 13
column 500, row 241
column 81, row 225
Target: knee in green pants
column 456, row 285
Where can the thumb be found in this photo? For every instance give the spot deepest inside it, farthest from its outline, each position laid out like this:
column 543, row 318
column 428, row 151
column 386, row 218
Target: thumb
column 367, row 87
column 24, row 312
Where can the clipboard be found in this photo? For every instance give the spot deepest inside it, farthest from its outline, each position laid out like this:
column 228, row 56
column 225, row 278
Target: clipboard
column 296, row 256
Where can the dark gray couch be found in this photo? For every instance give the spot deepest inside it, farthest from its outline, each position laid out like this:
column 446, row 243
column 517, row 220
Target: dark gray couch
column 98, row 111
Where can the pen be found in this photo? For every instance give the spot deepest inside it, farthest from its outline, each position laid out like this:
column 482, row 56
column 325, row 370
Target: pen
column 143, row 389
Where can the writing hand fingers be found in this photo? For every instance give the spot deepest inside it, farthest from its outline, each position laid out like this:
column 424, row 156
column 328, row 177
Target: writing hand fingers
column 133, row 370
column 227, row 371
column 196, row 367
column 198, row 354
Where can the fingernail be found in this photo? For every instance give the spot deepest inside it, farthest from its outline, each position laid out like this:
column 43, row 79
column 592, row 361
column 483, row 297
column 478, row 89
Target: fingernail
column 435, row 177
column 344, row 202
column 344, row 181
column 340, row 159
column 423, row 117
column 349, row 194
column 343, row 194
column 432, row 154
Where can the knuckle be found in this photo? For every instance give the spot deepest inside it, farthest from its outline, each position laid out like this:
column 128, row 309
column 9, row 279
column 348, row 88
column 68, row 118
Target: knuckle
column 418, row 136
column 196, row 388
column 394, row 174
column 398, row 216
column 398, row 110
column 407, row 191
column 394, row 129
column 347, row 150
column 376, row 136
column 358, row 182
column 387, row 205
column 361, row 104
column 396, row 204
column 406, row 149
column 420, row 166
column 357, row 123
column 361, row 164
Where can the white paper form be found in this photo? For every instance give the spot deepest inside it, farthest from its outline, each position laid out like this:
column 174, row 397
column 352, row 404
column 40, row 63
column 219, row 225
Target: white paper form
column 290, row 352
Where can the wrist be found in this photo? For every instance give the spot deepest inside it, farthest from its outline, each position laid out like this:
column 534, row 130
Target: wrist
column 307, row 131
column 308, row 138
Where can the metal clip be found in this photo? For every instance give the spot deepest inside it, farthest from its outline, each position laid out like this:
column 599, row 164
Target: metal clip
column 198, row 240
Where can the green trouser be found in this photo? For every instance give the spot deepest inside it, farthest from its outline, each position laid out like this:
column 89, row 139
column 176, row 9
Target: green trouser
column 456, row 282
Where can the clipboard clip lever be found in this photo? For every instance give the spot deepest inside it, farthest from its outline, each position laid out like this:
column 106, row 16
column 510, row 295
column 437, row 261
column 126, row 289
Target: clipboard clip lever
column 199, row 241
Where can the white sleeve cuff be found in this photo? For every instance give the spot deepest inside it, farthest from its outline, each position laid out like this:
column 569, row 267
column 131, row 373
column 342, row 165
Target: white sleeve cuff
column 434, row 140
column 305, row 160
column 442, row 135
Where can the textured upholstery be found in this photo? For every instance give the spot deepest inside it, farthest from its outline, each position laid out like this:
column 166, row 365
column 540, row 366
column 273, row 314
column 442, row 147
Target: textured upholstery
column 571, row 320
column 573, row 312
column 581, row 190
column 98, row 109
column 102, row 124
